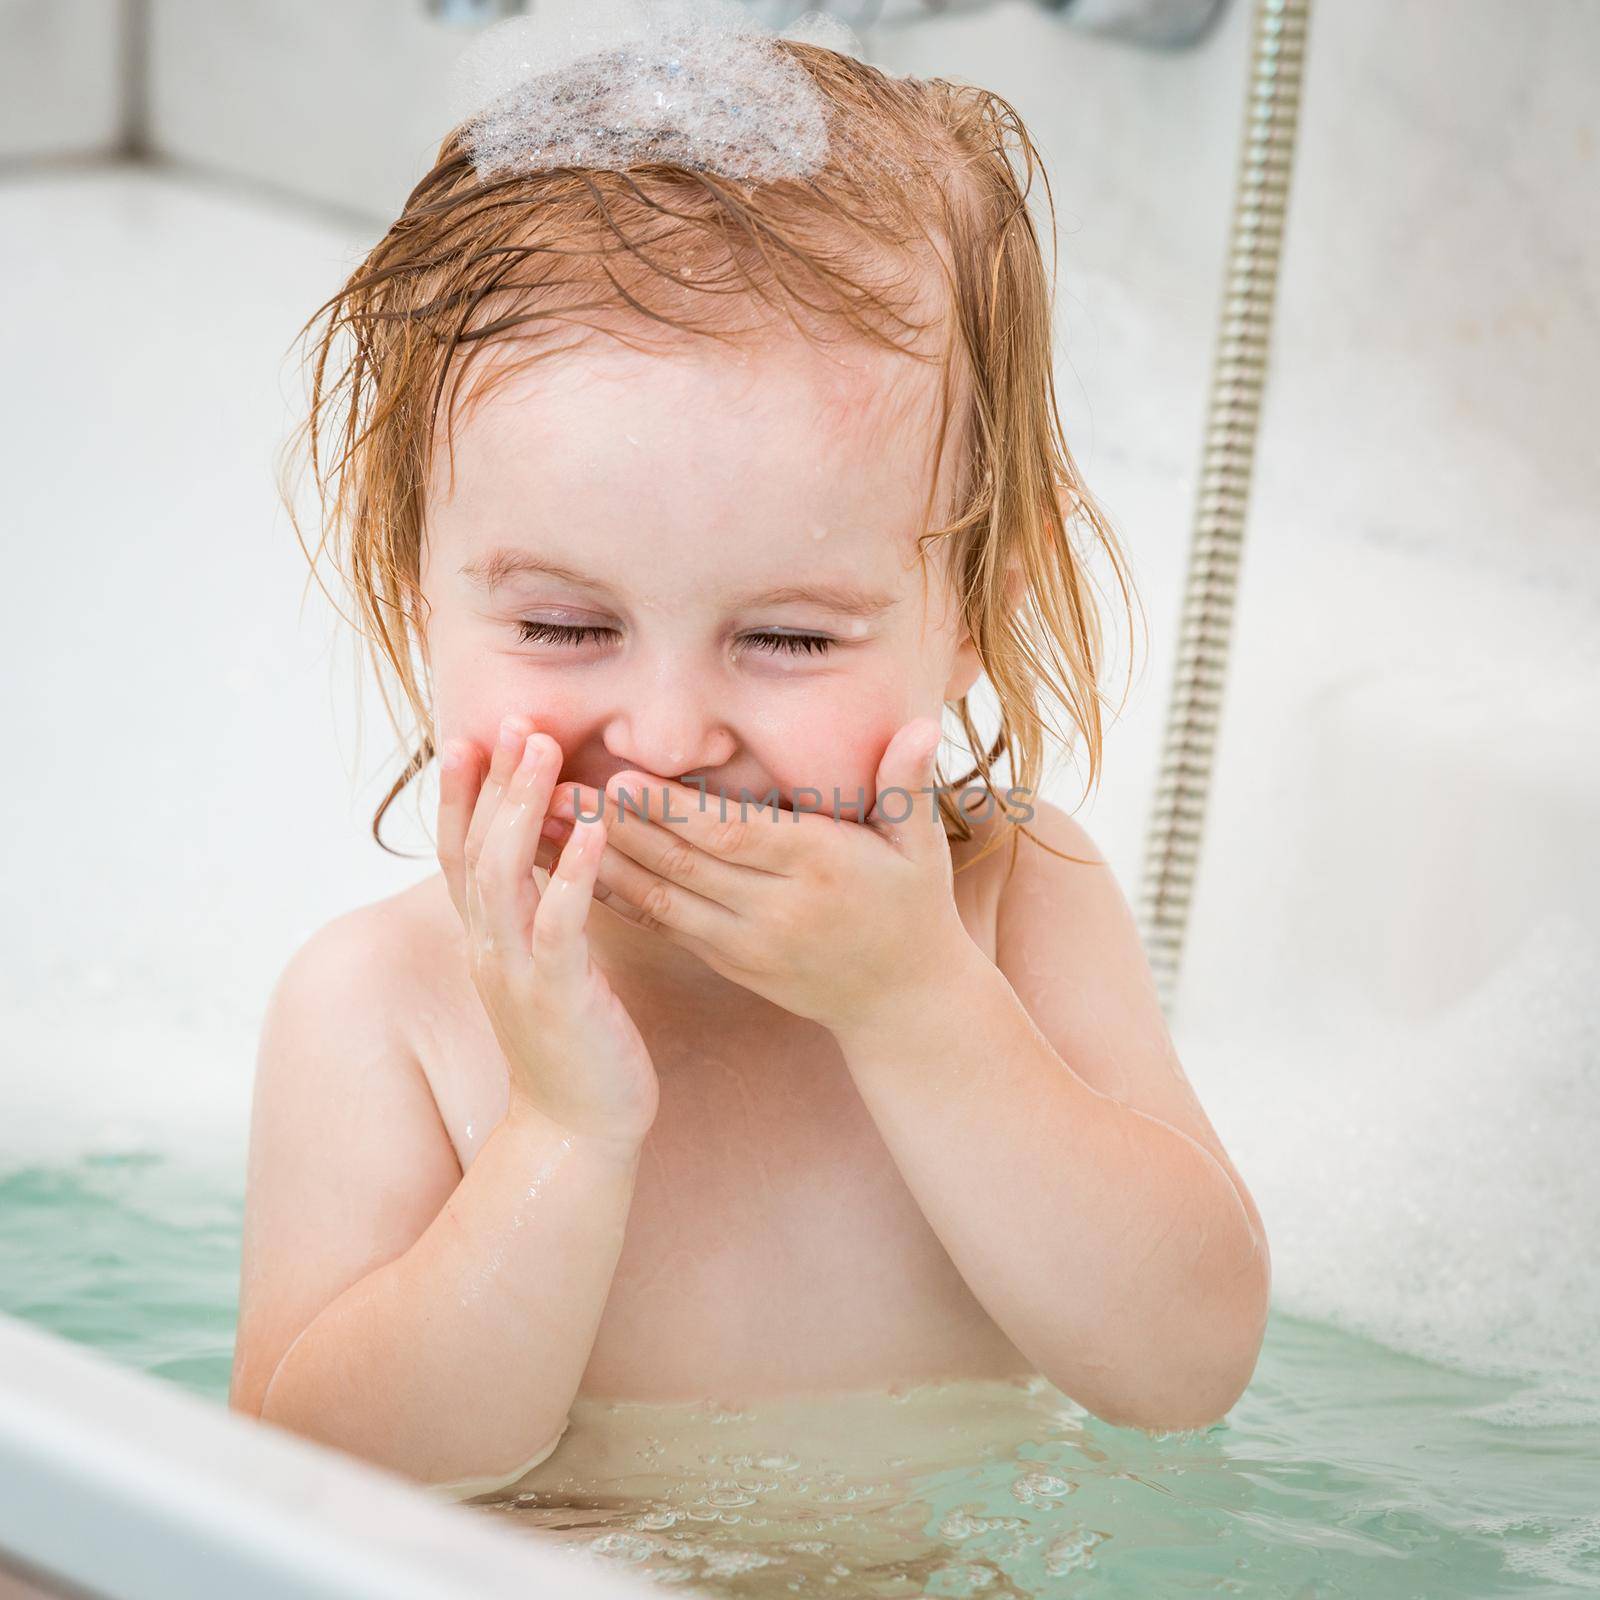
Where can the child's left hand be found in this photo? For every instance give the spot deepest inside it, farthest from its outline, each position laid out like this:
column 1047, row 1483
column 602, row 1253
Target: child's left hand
column 829, row 918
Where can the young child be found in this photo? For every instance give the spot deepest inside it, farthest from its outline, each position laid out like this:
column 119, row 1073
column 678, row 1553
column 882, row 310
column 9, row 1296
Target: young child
column 736, row 1050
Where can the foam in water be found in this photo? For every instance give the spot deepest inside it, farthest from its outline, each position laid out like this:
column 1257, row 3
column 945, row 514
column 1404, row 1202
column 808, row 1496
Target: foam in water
column 612, row 83
column 1432, row 1184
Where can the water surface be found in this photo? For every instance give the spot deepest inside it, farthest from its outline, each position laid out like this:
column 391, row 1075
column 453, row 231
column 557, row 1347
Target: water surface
column 1346, row 1469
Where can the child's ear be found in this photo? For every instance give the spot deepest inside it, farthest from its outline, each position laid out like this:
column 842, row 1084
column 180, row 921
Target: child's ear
column 1013, row 584
column 964, row 671
column 967, row 666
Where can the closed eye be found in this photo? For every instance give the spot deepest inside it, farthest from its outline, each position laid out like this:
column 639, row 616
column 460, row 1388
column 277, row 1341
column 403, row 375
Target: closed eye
column 558, row 633
column 795, row 643
column 771, row 643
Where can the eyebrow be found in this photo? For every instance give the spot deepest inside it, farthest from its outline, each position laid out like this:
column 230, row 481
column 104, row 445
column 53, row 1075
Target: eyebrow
column 489, row 572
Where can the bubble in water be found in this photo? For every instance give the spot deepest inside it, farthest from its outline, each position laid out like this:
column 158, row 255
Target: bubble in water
column 1568, row 1555
column 1040, row 1488
column 658, row 1518
column 1072, row 1552
column 730, row 1563
column 622, row 1547
column 963, row 1525
column 964, row 1577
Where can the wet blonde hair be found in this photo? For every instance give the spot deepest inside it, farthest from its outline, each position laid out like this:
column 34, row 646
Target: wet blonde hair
column 924, row 176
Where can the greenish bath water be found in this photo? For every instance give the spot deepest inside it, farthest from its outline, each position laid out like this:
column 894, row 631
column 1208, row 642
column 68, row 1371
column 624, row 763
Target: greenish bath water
column 1347, row 1469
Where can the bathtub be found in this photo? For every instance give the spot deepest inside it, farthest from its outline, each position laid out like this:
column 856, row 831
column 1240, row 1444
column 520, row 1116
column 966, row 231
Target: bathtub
column 120, row 1485
column 191, row 795
column 159, row 544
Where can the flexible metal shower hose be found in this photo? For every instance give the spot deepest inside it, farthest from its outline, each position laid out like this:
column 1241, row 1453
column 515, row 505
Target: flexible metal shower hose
column 1172, row 846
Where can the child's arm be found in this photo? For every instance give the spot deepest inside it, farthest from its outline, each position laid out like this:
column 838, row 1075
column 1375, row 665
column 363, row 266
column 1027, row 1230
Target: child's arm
column 436, row 1324
column 1039, row 1113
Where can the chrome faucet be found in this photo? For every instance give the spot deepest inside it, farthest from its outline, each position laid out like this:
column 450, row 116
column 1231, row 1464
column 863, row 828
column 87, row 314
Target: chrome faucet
column 1157, row 24
column 1160, row 24
column 472, row 13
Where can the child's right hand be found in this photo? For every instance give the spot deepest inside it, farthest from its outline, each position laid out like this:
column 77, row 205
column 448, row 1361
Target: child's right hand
column 573, row 1051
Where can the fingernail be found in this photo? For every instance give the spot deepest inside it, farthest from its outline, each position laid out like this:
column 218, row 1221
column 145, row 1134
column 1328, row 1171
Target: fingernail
column 451, row 756
column 510, row 738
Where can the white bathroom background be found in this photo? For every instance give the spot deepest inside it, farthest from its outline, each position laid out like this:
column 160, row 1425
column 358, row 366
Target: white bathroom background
column 1388, row 999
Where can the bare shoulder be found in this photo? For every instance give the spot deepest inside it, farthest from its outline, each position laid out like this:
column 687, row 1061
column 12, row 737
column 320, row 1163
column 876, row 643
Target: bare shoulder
column 372, row 948
column 349, row 1019
column 1067, row 940
column 431, row 1005
column 1068, row 943
column 351, row 997
column 357, row 972
column 979, row 864
column 1051, row 854
column 349, row 1160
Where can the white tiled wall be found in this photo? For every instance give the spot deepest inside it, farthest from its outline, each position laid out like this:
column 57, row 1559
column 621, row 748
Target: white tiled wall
column 1427, row 485
column 1430, row 395
column 1444, row 253
column 60, row 77
column 343, row 101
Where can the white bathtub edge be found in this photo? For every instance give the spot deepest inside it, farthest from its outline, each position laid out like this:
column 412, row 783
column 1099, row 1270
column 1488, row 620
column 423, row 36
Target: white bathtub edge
column 131, row 1487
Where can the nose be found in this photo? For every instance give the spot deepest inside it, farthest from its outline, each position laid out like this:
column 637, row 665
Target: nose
column 667, row 725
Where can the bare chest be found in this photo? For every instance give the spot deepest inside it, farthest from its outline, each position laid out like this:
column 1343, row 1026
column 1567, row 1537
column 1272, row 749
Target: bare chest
column 772, row 1245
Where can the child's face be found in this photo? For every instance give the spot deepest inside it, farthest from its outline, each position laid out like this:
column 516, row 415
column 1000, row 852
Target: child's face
column 689, row 500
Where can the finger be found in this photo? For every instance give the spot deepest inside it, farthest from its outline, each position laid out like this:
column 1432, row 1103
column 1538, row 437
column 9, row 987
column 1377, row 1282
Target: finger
column 613, row 870
column 461, row 765
column 505, row 867
column 743, row 829
column 906, row 810
column 572, row 797
column 514, row 731
column 669, row 853
column 656, row 903
column 558, row 946
column 569, row 801
column 553, row 839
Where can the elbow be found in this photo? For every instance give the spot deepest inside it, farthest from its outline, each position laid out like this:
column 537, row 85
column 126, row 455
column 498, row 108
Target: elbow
column 1192, row 1372
column 242, row 1407
column 1214, row 1357
column 1201, row 1405
column 1193, row 1391
column 1185, row 1396
column 1208, row 1350
column 457, row 1488
column 248, row 1384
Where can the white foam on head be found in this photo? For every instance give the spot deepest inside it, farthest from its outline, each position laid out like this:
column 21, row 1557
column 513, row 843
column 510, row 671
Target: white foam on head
column 612, row 83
